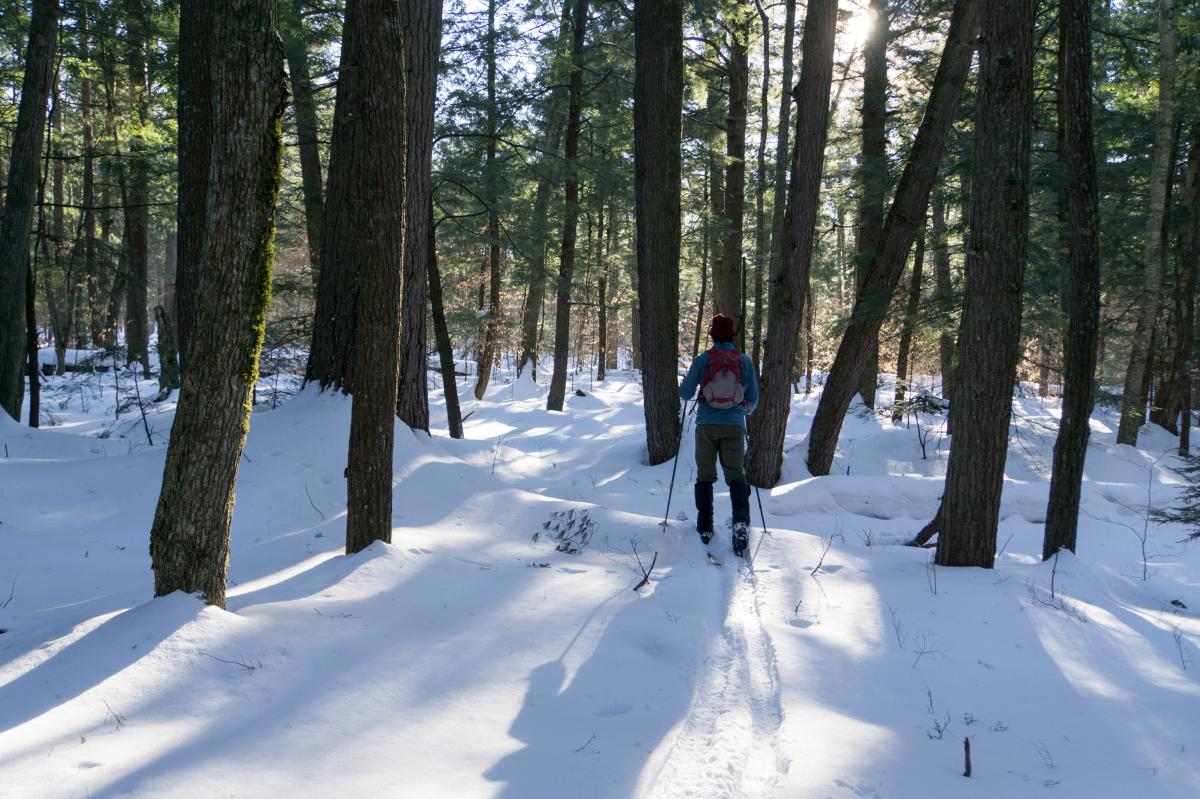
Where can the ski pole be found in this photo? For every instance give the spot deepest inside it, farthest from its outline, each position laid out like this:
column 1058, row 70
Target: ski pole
column 762, row 516
column 675, row 464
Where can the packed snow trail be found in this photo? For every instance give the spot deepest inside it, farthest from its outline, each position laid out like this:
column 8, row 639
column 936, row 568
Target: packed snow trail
column 469, row 660
column 728, row 744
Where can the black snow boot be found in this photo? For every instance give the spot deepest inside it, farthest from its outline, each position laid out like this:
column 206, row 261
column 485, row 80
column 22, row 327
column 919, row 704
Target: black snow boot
column 704, row 511
column 739, row 495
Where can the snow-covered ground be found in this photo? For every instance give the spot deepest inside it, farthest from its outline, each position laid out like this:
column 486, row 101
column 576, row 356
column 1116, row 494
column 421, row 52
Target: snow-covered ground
column 468, row 659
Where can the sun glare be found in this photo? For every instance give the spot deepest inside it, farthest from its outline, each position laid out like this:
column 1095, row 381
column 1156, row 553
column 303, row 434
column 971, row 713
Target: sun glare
column 855, row 31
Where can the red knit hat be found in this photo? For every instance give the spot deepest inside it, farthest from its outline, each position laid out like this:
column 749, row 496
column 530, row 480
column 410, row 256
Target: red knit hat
column 722, row 326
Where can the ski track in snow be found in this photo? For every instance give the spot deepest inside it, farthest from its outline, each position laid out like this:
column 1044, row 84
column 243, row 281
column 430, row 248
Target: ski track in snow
column 728, row 746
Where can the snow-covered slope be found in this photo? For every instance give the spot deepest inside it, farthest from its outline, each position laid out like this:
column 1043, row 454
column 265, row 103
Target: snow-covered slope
column 467, row 659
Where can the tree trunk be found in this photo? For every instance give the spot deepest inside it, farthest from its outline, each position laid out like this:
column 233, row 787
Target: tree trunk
column 990, row 335
column 872, row 176
column 551, row 141
column 727, row 281
column 136, row 196
column 1133, row 410
column 788, row 292
column 189, row 541
column 635, row 313
column 782, row 147
column 657, row 131
column 19, row 199
column 295, row 48
column 760, row 191
column 945, row 289
column 491, row 325
column 331, row 356
column 441, row 333
column 33, row 367
column 703, row 299
column 379, row 207
column 715, row 221
column 164, row 317
column 899, row 230
column 566, row 266
column 194, row 151
column 90, row 265
column 1077, row 160
column 1184, row 365
column 423, row 41
column 909, row 326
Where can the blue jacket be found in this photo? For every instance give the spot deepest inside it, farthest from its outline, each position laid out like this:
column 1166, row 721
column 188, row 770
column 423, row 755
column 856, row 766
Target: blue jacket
column 707, row 415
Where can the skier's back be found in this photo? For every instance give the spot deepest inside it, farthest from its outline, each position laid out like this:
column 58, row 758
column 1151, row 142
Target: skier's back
column 728, row 393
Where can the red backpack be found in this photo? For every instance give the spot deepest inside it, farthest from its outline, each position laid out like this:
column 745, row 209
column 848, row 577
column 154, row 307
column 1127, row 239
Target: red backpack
column 721, row 387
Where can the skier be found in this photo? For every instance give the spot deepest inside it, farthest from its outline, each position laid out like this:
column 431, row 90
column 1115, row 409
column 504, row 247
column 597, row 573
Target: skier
column 728, row 393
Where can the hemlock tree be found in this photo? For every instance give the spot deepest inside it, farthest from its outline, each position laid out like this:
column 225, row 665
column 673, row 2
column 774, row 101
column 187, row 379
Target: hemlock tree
column 331, row 357
column 1133, row 399
column 189, row 540
column 423, row 38
column 491, row 319
column 788, row 287
column 194, row 150
column 990, row 335
column 899, row 230
column 566, row 262
column 727, row 279
column 376, row 208
column 18, row 202
column 872, row 175
column 1078, row 162
column 657, row 132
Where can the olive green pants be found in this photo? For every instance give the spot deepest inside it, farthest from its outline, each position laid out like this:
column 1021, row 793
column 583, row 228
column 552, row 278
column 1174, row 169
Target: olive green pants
column 728, row 441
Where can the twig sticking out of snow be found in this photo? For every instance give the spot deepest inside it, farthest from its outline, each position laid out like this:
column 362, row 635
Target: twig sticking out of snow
column 118, row 720
column 12, row 590
column 967, row 756
column 249, row 667
column 310, row 501
column 645, row 572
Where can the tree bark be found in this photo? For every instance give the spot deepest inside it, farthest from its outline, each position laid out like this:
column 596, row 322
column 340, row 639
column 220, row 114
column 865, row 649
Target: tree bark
column 760, row 191
column 873, row 176
column 295, row 48
column 899, row 230
column 728, row 295
column 1133, row 410
column 331, row 357
column 194, row 152
column 788, row 287
column 990, row 336
column 378, row 206
column 909, row 327
column 657, row 132
column 136, row 193
column 19, row 196
column 423, row 41
column 1077, row 160
column 441, row 334
column 189, row 540
column 782, row 138
column 566, row 265
column 164, row 317
column 945, row 289
column 491, row 324
column 33, row 367
column 90, row 265
column 1184, row 365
